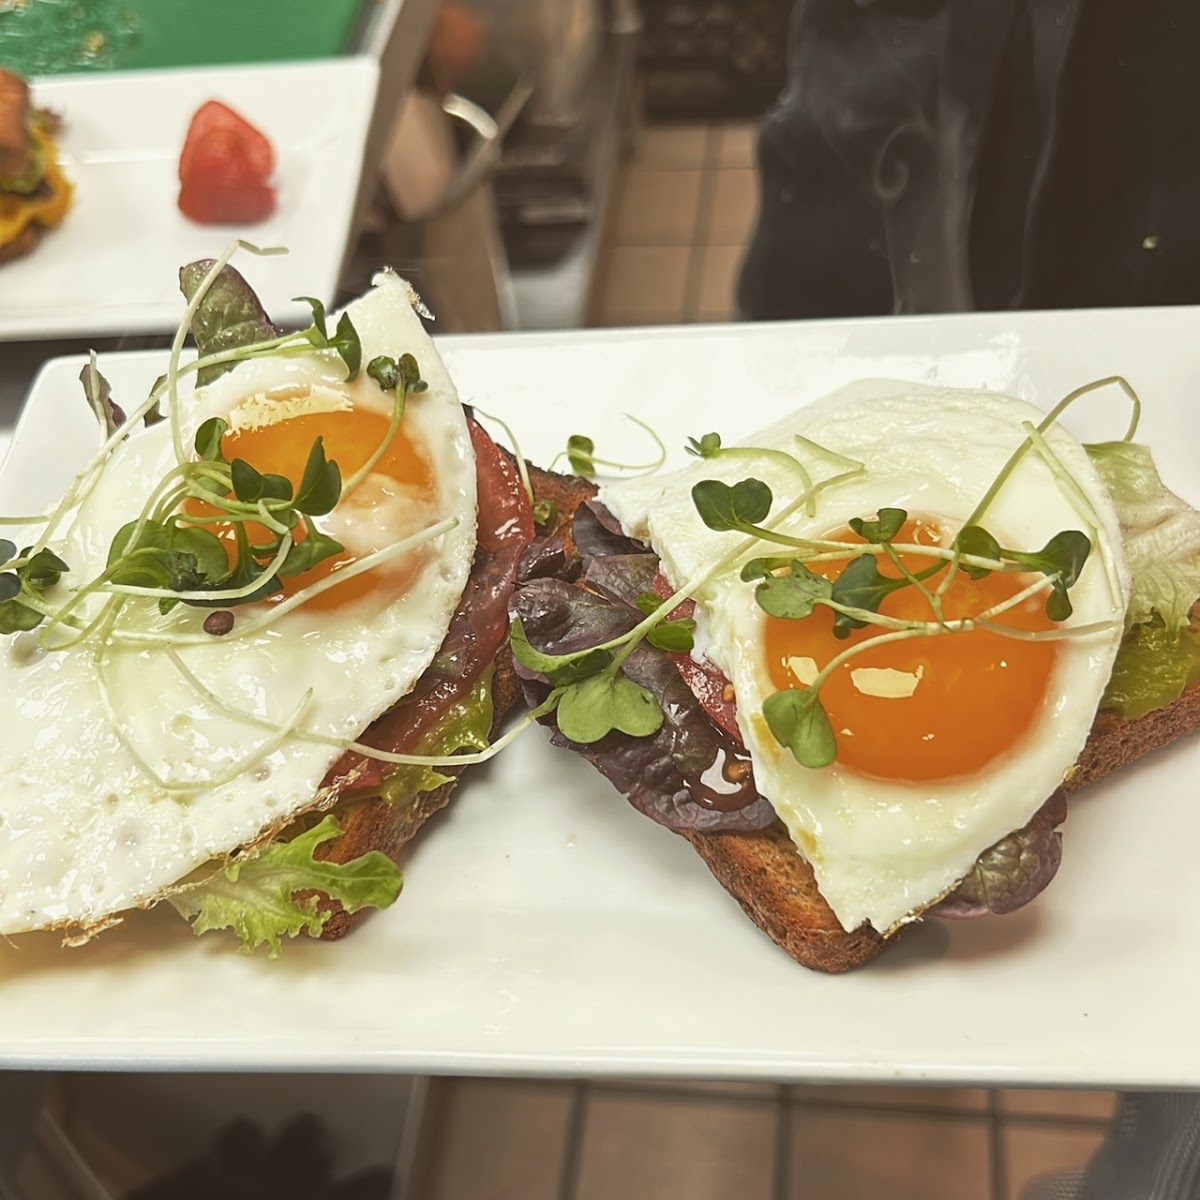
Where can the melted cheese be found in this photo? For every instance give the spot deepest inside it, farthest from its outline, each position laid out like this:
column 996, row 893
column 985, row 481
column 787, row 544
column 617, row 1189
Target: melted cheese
column 17, row 212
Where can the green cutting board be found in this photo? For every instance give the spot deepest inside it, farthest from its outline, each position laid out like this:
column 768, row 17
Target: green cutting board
column 50, row 37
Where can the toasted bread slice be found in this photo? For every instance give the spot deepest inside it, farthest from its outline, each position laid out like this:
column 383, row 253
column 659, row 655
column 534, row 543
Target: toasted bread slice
column 775, row 886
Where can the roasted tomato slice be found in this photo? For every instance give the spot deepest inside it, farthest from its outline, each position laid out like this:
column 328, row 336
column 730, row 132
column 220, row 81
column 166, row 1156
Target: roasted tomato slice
column 225, row 169
column 707, row 684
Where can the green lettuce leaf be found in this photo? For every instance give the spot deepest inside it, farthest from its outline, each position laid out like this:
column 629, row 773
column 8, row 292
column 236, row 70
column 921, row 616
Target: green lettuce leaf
column 255, row 896
column 1152, row 670
column 1160, row 533
column 465, row 726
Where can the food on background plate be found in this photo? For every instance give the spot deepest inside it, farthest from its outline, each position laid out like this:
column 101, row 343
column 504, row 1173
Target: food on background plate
column 314, row 540
column 225, row 169
column 861, row 660
column 34, row 193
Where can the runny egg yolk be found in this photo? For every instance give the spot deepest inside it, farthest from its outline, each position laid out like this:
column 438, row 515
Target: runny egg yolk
column 394, row 501
column 924, row 708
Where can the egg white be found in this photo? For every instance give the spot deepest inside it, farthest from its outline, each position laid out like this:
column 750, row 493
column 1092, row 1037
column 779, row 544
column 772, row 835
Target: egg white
column 84, row 832
column 882, row 851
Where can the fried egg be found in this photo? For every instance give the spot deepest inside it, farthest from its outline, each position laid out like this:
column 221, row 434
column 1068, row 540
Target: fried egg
column 945, row 743
column 126, row 764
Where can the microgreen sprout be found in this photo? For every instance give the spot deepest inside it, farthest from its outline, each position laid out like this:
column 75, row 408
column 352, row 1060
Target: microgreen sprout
column 544, row 512
column 615, row 706
column 673, row 635
column 25, row 578
column 581, row 455
column 786, row 588
column 709, row 446
column 344, row 340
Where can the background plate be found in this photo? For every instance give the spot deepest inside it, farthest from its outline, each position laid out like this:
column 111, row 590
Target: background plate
column 101, row 271
column 546, row 927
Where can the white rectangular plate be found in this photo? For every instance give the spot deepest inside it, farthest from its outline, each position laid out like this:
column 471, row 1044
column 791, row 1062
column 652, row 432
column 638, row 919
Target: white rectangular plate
column 546, row 927
column 101, row 271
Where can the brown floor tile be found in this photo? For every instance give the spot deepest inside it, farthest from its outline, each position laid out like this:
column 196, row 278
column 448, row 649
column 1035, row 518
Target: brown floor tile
column 651, row 1147
column 715, row 297
column 699, row 1087
column 932, row 1098
column 1040, row 1102
column 670, row 146
column 655, row 207
column 640, row 285
column 498, row 1139
column 734, row 205
column 856, row 1156
column 736, row 143
column 1032, row 1151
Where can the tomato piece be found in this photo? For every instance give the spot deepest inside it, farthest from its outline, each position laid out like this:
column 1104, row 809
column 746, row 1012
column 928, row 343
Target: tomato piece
column 225, row 168
column 213, row 117
column 502, row 495
column 708, row 684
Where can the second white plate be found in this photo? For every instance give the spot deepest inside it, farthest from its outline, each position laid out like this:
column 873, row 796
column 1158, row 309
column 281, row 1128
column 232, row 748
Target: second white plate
column 102, row 270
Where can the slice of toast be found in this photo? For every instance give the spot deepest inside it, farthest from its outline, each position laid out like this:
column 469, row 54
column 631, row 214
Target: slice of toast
column 775, row 886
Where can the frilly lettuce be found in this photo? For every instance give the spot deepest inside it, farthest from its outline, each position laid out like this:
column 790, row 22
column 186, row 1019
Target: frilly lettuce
column 255, row 896
column 1160, row 655
column 1160, row 533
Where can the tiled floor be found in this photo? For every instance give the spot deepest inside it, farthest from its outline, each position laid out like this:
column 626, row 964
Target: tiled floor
column 684, row 205
column 523, row 1140
column 682, row 211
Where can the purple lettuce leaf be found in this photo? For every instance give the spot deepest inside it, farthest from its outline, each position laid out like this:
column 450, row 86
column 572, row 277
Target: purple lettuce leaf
column 622, row 577
column 598, row 533
column 1009, row 874
column 690, row 774
column 544, row 558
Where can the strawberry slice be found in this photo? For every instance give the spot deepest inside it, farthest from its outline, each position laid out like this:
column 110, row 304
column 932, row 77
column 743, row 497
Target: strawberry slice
column 225, row 169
